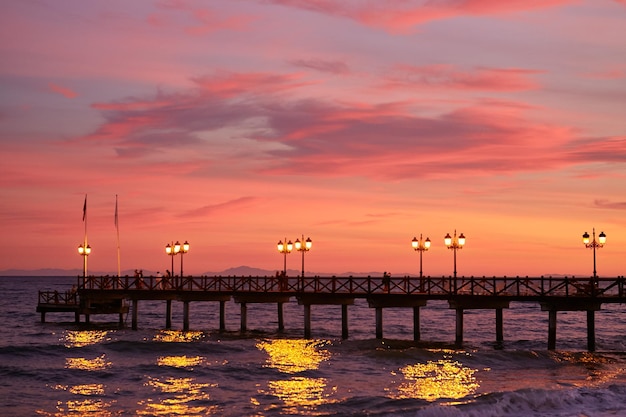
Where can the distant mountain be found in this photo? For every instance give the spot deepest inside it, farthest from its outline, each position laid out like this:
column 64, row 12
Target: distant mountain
column 242, row 270
column 44, row 272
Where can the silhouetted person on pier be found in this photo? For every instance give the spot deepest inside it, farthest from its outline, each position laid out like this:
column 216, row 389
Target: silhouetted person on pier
column 282, row 280
column 386, row 281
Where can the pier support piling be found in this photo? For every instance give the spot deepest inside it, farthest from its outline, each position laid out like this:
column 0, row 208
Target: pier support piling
column 416, row 324
column 379, row 322
column 244, row 317
column 344, row 321
column 185, row 316
column 281, row 322
column 552, row 330
column 222, row 315
column 135, row 313
column 168, row 314
column 499, row 325
column 590, row 306
column 87, row 307
column 307, row 321
column 459, row 327
column 591, row 331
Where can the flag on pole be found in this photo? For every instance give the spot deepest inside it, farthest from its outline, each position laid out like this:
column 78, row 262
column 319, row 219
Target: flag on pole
column 85, row 208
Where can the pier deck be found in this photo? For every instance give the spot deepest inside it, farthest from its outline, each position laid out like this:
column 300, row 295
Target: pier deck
column 493, row 293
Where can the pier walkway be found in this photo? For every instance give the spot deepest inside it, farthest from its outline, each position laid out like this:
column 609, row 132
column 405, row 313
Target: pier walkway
column 106, row 294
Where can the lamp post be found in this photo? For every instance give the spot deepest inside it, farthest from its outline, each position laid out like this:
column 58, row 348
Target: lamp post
column 454, row 244
column 285, row 248
column 593, row 244
column 183, row 250
column 420, row 246
column 303, row 247
column 84, row 250
column 171, row 250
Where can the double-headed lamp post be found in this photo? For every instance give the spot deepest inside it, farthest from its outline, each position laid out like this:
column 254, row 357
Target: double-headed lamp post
column 183, row 249
column 593, row 244
column 84, row 250
column 454, row 243
column 285, row 248
column 303, row 246
column 171, row 250
column 420, row 246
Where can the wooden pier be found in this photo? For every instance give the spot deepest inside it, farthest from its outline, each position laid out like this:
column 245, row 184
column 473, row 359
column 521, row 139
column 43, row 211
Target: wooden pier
column 107, row 295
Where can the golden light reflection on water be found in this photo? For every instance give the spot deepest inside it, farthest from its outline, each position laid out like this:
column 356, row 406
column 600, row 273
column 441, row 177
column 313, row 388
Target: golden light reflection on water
column 294, row 355
column 177, row 336
column 87, row 389
column 599, row 371
column 437, row 379
column 301, row 392
column 180, row 361
column 93, row 407
column 84, row 364
column 185, row 391
column 82, row 338
column 75, row 408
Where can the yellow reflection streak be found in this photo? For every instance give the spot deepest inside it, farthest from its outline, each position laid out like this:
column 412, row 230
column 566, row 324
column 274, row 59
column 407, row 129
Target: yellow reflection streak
column 301, row 392
column 434, row 380
column 83, row 407
column 294, row 355
column 96, row 364
column 180, row 361
column 83, row 337
column 87, row 389
column 76, row 408
column 177, row 336
column 185, row 390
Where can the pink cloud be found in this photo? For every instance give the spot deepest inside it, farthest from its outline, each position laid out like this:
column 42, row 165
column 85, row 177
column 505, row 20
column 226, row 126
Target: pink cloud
column 383, row 141
column 401, row 16
column 225, row 207
column 229, row 84
column 608, row 204
column 447, row 76
column 209, row 21
column 64, row 91
column 321, row 65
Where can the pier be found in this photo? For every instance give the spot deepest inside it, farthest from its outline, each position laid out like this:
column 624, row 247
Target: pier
column 110, row 295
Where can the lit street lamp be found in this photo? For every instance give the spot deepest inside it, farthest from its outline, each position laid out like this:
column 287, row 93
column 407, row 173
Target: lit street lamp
column 420, row 246
column 84, row 250
column 285, row 248
column 303, row 247
column 454, row 244
column 593, row 244
column 170, row 249
column 183, row 250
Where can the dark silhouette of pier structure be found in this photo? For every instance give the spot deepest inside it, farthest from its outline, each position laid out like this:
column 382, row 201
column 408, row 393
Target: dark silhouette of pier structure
column 108, row 295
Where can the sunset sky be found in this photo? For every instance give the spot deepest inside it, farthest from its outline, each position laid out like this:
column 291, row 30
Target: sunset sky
column 361, row 124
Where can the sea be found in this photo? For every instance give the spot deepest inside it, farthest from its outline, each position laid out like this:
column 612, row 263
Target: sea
column 60, row 368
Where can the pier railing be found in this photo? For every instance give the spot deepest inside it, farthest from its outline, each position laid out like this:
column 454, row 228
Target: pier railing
column 514, row 287
column 58, row 298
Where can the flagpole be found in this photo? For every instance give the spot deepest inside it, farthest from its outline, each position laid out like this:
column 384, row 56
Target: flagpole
column 85, row 238
column 117, row 227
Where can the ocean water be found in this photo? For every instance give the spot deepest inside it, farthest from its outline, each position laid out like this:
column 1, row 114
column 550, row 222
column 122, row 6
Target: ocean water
column 63, row 369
